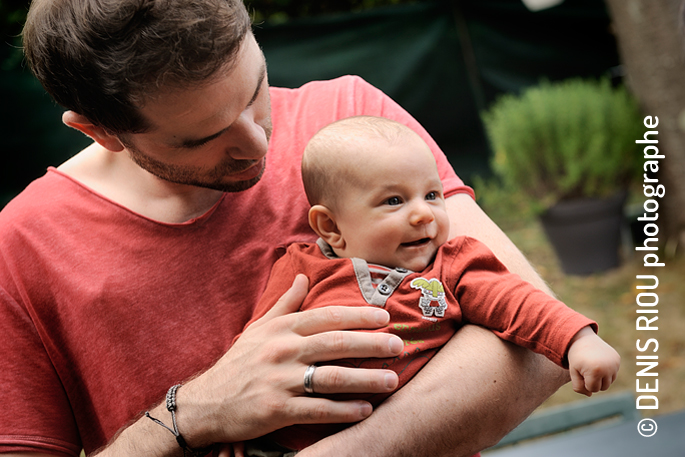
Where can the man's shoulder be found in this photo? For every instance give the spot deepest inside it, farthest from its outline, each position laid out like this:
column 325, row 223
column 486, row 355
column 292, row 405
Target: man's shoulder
column 346, row 82
column 299, row 113
column 46, row 195
column 346, row 95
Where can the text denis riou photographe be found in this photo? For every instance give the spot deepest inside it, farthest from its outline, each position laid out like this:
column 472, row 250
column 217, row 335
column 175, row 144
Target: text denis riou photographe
column 647, row 298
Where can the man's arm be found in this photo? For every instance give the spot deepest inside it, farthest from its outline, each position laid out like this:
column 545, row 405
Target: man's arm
column 257, row 386
column 468, row 219
column 472, row 393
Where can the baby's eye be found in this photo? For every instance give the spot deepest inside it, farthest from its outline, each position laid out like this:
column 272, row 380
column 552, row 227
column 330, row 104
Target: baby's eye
column 392, row 201
column 431, row 196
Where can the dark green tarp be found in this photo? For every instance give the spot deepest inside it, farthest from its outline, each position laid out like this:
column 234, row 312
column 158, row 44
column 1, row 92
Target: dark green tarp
column 443, row 61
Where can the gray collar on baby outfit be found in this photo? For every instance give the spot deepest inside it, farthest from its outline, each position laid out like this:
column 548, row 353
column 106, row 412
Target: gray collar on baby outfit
column 373, row 294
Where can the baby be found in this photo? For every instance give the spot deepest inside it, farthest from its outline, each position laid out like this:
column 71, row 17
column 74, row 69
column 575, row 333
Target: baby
column 378, row 207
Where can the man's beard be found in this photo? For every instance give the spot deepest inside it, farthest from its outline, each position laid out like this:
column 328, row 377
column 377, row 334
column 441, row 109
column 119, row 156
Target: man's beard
column 199, row 177
column 195, row 176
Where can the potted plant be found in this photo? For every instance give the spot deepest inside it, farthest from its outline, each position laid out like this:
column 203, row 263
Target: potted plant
column 570, row 147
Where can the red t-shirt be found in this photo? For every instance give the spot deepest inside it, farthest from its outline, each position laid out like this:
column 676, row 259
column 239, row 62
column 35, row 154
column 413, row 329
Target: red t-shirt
column 102, row 309
column 465, row 284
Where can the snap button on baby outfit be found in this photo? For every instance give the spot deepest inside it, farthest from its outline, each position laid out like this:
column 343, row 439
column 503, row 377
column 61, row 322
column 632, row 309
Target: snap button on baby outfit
column 384, row 289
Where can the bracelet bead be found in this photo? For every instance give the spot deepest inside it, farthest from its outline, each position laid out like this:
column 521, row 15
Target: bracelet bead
column 171, row 407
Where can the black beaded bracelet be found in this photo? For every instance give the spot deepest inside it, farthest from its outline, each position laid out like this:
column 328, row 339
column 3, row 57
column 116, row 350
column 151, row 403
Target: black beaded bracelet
column 171, row 407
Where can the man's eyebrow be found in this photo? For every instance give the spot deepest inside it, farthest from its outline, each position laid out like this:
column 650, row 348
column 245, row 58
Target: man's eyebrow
column 262, row 75
column 194, row 143
column 189, row 144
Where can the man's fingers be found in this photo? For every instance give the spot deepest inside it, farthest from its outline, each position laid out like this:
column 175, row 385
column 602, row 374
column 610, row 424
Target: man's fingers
column 312, row 410
column 323, row 347
column 323, row 319
column 334, row 379
column 225, row 450
column 339, row 318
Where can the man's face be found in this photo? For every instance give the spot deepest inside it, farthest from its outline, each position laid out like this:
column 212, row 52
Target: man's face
column 215, row 135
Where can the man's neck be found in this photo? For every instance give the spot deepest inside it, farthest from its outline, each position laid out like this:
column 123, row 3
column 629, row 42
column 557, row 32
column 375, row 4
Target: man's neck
column 115, row 176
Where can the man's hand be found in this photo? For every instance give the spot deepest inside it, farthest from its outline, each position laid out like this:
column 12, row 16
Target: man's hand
column 257, row 386
column 592, row 362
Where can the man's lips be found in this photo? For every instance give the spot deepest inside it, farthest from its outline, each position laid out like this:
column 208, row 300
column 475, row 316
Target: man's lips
column 250, row 171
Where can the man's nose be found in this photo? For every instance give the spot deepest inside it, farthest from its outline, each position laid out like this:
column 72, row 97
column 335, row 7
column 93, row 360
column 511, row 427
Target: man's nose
column 248, row 139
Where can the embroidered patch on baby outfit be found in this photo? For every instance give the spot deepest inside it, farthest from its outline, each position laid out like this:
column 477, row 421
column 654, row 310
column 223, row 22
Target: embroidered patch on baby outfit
column 432, row 302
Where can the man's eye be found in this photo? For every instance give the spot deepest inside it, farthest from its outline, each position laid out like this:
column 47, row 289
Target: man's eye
column 431, row 195
column 393, row 201
column 199, row 144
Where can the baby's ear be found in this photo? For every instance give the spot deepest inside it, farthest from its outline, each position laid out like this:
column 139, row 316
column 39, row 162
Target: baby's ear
column 322, row 221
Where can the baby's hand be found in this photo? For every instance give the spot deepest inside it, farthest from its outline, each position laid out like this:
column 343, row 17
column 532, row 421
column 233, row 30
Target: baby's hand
column 592, row 362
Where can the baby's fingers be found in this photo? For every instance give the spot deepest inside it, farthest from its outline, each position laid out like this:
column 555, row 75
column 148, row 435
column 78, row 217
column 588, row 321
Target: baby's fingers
column 607, row 381
column 578, row 383
column 593, row 383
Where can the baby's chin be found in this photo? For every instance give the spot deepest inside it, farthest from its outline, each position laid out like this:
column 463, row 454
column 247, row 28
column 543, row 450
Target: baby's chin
column 412, row 258
column 417, row 264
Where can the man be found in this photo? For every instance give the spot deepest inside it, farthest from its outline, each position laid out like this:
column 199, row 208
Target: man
column 131, row 267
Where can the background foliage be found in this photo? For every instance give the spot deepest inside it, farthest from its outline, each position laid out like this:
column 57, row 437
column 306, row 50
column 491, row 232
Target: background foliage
column 566, row 140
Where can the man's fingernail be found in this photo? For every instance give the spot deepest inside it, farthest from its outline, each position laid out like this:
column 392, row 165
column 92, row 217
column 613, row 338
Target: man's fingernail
column 391, row 381
column 365, row 409
column 382, row 317
column 395, row 344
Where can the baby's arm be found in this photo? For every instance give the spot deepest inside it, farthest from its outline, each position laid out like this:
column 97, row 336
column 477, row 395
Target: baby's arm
column 592, row 362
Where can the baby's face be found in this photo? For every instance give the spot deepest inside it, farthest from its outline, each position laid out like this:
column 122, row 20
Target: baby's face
column 394, row 214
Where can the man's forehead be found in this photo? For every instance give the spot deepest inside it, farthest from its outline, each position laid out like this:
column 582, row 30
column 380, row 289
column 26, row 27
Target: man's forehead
column 190, row 113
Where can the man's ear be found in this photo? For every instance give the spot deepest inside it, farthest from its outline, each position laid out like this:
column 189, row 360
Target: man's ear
column 322, row 221
column 97, row 133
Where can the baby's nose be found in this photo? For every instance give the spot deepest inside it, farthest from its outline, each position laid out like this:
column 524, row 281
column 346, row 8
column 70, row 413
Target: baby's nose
column 421, row 214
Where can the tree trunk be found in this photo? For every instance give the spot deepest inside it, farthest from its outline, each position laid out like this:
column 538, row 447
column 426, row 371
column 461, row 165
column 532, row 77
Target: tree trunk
column 652, row 48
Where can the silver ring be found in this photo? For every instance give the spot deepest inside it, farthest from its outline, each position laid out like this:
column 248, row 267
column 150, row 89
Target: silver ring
column 309, row 379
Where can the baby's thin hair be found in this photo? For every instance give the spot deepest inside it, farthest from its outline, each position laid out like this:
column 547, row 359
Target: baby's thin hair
column 324, row 169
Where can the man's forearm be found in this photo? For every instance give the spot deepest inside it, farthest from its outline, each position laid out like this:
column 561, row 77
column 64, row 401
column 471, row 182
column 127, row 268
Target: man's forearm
column 468, row 219
column 471, row 394
column 144, row 437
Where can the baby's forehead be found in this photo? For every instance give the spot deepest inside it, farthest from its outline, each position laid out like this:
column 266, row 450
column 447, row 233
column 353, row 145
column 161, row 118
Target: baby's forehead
column 382, row 159
column 354, row 144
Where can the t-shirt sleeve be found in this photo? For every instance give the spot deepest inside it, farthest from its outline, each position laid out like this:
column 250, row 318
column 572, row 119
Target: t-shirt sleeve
column 491, row 296
column 372, row 101
column 36, row 415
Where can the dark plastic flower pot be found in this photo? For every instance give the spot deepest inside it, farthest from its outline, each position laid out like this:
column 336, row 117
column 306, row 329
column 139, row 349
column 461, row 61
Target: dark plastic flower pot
column 586, row 233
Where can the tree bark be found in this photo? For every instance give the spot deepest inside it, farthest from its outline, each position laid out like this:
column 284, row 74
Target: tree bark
column 652, row 48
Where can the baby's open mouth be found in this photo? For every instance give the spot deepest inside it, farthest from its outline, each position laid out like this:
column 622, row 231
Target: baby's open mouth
column 420, row 242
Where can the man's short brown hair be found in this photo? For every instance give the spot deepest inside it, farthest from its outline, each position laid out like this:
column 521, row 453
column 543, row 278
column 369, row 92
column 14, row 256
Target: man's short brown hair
column 103, row 58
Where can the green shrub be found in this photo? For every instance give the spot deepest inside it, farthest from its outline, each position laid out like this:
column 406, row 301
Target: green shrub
column 566, row 140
